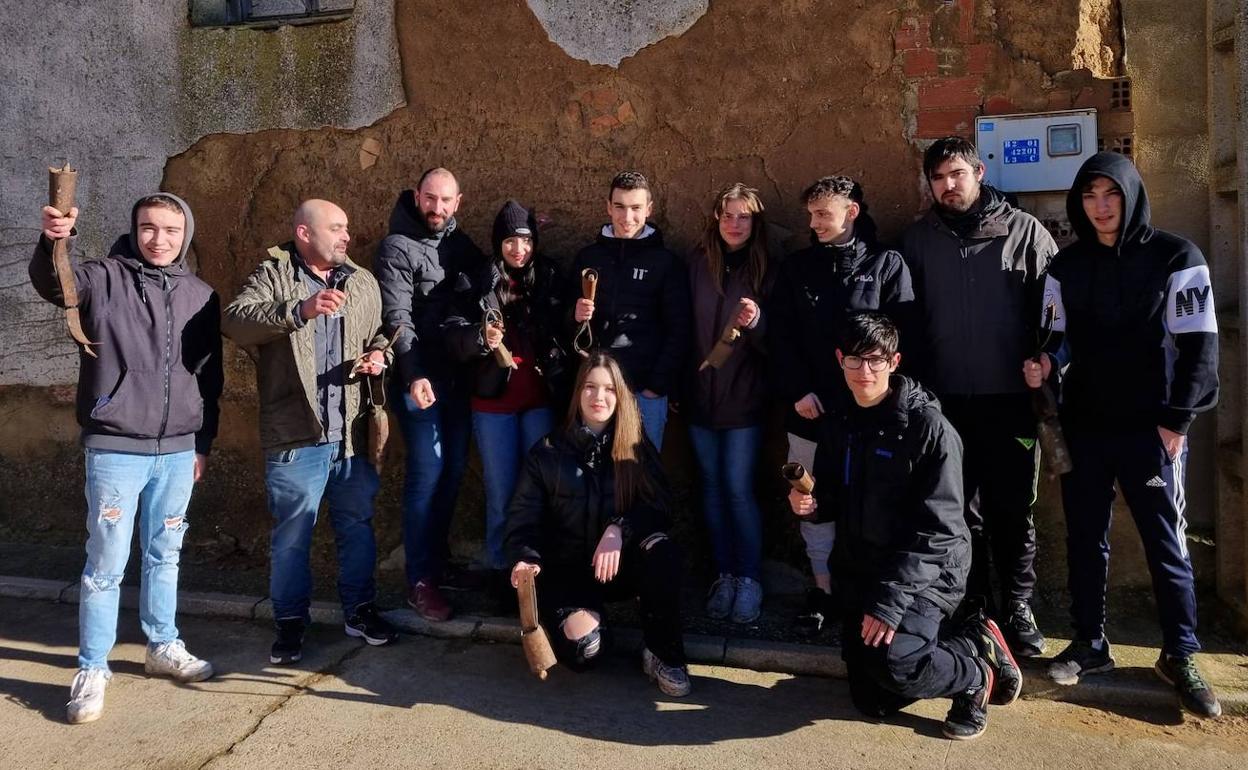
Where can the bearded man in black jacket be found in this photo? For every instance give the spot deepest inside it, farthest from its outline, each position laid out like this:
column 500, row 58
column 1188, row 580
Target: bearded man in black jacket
column 978, row 265
column 642, row 313
column 1137, row 338
column 888, row 465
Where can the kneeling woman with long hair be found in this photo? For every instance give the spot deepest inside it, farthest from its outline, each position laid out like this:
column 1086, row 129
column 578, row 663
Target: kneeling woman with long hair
column 589, row 518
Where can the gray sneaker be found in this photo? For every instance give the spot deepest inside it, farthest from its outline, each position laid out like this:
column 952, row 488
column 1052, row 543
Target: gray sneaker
column 172, row 659
column 719, row 601
column 86, row 695
column 672, row 680
column 749, row 601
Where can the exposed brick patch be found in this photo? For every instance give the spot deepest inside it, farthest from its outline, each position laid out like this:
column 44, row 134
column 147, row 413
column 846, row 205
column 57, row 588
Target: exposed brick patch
column 602, row 125
column 913, row 33
column 999, row 104
column 966, row 21
column 979, row 58
column 950, row 92
column 920, row 62
column 933, row 124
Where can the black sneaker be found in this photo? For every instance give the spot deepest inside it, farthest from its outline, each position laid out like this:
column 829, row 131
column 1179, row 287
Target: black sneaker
column 366, row 624
column 1194, row 692
column 810, row 621
column 288, row 648
column 1021, row 631
column 994, row 651
column 968, row 716
column 1078, row 660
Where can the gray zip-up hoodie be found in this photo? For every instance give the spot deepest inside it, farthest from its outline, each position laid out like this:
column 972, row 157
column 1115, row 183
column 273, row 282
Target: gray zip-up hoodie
column 155, row 385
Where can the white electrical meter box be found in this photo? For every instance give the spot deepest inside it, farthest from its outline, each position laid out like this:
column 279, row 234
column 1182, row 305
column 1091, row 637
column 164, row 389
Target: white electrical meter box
column 1039, row 152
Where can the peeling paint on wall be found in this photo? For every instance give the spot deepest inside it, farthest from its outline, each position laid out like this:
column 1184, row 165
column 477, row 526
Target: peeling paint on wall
column 610, row 31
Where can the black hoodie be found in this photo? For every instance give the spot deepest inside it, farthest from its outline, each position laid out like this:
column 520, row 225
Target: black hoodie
column 1136, row 328
column 155, row 385
column 417, row 269
column 893, row 475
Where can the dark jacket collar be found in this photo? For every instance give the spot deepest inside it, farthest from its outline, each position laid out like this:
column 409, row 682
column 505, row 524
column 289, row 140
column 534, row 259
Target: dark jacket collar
column 406, row 219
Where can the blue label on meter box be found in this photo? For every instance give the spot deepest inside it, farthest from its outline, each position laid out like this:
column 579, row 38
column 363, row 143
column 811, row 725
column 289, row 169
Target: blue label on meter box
column 1021, row 151
column 987, row 126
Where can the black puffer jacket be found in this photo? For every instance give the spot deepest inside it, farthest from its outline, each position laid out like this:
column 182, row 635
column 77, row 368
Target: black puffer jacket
column 893, row 475
column 641, row 313
column 1141, row 334
column 565, row 498
column 532, row 324
column 156, row 382
column 818, row 288
column 416, row 269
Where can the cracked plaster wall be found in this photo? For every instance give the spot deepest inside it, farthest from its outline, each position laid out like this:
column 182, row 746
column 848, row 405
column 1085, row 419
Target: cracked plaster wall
column 506, row 93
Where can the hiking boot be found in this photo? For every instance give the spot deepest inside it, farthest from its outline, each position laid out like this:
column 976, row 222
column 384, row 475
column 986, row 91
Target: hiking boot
column 810, row 621
column 1021, row 631
column 749, row 602
column 365, row 623
column 994, row 651
column 427, row 600
column 1194, row 692
column 721, row 596
column 86, row 695
column 288, row 648
column 1078, row 660
column 172, row 659
column 672, row 680
column 968, row 716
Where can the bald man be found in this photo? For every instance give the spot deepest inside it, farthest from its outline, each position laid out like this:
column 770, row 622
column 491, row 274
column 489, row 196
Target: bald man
column 310, row 319
column 425, row 257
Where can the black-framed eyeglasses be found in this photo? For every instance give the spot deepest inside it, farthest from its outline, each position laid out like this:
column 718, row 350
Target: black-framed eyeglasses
column 874, row 363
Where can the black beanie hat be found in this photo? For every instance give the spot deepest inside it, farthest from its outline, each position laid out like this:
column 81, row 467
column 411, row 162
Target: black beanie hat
column 513, row 219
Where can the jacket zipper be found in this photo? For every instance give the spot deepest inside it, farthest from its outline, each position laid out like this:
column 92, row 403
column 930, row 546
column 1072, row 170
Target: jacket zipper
column 164, row 420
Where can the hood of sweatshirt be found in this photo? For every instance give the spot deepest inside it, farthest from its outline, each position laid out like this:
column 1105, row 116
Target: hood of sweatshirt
column 126, row 248
column 1137, row 224
column 406, row 219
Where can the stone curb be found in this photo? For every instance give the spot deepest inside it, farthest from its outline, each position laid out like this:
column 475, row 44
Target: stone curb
column 756, row 654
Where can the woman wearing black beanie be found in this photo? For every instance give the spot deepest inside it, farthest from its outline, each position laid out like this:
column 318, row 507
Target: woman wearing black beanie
column 505, row 325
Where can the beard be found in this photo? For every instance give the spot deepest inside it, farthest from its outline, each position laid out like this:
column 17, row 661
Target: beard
column 435, row 227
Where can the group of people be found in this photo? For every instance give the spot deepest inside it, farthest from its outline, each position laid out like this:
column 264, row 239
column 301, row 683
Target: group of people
column 924, row 470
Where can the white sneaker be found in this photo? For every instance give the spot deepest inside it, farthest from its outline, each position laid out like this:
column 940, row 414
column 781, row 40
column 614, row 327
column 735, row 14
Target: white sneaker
column 86, row 695
column 172, row 658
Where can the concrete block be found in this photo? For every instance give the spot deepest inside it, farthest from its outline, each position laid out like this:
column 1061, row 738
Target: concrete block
column 784, row 657
column 506, row 630
column 322, row 613
column 705, row 649
column 32, row 588
column 409, row 622
column 218, row 605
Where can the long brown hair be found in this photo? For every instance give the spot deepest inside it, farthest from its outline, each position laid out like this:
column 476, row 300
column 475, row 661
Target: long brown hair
column 713, row 244
column 628, row 442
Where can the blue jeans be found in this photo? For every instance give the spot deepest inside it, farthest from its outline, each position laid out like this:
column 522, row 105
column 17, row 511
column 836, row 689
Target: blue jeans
column 733, row 518
column 653, row 418
column 296, row 480
column 504, row 441
column 437, row 453
column 122, row 487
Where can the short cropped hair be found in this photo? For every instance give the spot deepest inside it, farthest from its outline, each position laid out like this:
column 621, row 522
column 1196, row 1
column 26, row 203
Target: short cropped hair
column 628, row 180
column 867, row 332
column 947, row 149
column 832, row 187
column 159, row 201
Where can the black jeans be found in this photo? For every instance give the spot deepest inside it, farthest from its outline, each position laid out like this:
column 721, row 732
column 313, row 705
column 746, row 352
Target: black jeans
column 653, row 575
column 1000, row 463
column 920, row 663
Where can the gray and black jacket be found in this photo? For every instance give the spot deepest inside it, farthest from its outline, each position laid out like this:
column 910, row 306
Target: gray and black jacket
column 1135, row 322
column 977, row 285
column 417, row 270
column 893, row 475
column 155, row 385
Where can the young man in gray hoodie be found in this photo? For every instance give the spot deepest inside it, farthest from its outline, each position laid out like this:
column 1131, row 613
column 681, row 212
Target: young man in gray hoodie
column 147, row 404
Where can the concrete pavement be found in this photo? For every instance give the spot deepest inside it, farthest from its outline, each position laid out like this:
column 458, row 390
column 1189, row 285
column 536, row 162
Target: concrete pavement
column 428, row 702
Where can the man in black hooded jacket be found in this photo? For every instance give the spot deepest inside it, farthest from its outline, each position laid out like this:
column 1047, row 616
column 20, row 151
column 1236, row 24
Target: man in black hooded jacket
column 888, row 465
column 977, row 264
column 1137, row 341
column 418, row 265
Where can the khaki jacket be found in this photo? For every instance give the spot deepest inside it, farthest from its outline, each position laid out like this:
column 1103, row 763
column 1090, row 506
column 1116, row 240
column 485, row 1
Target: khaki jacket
column 261, row 320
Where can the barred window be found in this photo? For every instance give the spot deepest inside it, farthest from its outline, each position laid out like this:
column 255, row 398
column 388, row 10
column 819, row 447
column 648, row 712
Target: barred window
column 212, row 13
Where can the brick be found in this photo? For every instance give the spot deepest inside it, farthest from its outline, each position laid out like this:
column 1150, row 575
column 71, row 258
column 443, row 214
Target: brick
column 920, row 62
column 950, row 92
column 999, row 104
column 626, row 114
column 1060, row 99
column 934, row 124
column 913, row 32
column 573, row 113
column 1097, row 96
column 603, row 100
column 979, row 58
column 602, row 125
column 966, row 21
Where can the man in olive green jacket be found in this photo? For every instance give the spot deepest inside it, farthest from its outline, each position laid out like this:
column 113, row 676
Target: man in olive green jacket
column 310, row 319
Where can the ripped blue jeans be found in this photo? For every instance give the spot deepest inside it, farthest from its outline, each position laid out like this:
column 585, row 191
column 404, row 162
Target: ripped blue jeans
column 122, row 488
